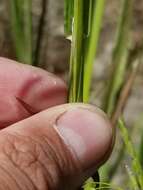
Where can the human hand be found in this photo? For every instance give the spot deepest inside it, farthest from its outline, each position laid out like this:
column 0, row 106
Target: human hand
column 54, row 149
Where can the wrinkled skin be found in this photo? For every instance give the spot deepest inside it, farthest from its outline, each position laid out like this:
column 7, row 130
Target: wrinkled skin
column 46, row 144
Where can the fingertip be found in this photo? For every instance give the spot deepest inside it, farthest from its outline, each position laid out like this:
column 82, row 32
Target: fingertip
column 88, row 133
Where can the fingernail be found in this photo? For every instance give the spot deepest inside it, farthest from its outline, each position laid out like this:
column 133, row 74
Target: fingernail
column 87, row 134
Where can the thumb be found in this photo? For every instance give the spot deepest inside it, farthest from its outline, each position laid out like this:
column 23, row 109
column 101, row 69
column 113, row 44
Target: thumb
column 55, row 149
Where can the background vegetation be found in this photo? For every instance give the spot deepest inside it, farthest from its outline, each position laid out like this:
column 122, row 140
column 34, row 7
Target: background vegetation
column 32, row 32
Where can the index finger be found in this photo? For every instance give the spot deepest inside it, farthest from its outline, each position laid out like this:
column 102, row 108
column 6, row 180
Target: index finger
column 25, row 90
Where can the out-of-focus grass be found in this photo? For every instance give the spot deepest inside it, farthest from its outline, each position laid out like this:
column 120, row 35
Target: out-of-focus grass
column 90, row 184
column 120, row 57
column 68, row 15
column 21, row 27
column 134, row 169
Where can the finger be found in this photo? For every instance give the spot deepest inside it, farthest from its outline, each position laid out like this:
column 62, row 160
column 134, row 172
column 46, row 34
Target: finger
column 25, row 90
column 55, row 149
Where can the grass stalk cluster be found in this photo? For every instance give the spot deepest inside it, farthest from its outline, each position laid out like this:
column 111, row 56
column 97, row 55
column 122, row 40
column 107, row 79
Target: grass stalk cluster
column 85, row 22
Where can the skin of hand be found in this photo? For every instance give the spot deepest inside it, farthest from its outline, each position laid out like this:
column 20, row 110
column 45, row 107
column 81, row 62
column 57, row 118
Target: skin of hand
column 46, row 144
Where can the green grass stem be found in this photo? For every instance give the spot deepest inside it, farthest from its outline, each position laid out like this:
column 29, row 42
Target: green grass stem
column 76, row 60
column 93, row 39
